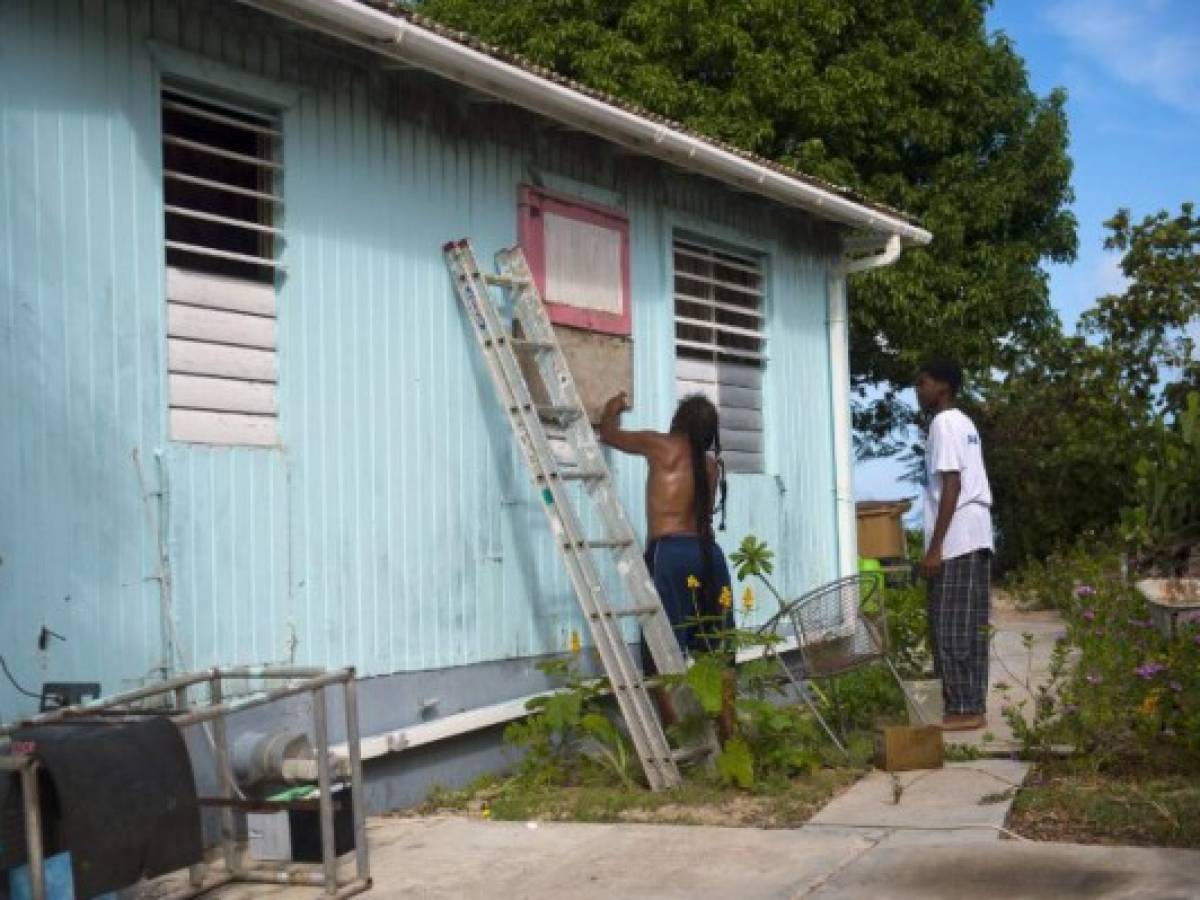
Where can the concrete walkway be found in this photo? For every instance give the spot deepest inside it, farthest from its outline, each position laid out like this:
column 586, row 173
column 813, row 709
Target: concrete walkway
column 962, row 803
column 463, row 859
column 1012, row 664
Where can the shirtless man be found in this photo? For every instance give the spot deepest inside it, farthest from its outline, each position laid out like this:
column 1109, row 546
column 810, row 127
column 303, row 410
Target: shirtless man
column 680, row 498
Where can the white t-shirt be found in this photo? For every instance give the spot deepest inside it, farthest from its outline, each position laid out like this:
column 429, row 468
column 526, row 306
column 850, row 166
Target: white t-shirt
column 953, row 446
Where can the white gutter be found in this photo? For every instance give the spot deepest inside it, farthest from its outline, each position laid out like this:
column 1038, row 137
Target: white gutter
column 852, row 261
column 402, row 40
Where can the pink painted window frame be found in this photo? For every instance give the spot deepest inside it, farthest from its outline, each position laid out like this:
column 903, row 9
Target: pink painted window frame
column 532, row 236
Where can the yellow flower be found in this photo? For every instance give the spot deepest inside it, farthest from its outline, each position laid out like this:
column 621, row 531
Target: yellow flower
column 747, row 599
column 576, row 643
column 693, row 582
column 1150, row 704
column 726, row 598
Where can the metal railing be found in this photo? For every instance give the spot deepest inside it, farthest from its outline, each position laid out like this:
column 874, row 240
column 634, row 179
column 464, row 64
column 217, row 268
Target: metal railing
column 120, row 708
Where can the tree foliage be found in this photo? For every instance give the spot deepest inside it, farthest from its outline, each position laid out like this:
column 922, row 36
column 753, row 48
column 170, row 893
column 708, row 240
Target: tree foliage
column 1063, row 433
column 911, row 102
column 1147, row 325
column 1086, row 426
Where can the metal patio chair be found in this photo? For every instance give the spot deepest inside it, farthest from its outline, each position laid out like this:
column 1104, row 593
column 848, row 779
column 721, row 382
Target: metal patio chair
column 836, row 628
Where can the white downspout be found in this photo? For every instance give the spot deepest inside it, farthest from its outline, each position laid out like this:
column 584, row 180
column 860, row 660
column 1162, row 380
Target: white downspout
column 839, row 355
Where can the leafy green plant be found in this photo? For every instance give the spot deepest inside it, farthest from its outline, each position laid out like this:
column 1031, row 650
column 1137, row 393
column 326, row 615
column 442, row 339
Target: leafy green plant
column 736, row 763
column 569, row 731
column 755, row 559
column 1118, row 688
column 1163, row 526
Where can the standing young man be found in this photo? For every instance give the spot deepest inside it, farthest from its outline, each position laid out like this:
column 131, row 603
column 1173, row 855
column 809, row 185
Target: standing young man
column 958, row 548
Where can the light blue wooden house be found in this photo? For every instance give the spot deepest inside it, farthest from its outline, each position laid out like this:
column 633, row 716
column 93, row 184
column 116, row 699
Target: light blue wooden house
column 241, row 419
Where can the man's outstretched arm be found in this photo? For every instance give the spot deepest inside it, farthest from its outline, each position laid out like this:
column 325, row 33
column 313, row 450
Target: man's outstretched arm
column 639, row 443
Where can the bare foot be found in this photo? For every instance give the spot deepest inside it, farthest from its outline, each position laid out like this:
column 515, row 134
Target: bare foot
column 964, row 722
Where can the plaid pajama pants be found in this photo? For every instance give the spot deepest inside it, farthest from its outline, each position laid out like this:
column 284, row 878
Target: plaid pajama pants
column 958, row 630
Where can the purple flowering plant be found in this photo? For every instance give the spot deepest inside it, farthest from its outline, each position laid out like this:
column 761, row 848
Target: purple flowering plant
column 1118, row 687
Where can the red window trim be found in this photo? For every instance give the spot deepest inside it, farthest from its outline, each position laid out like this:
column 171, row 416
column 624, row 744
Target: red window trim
column 531, row 234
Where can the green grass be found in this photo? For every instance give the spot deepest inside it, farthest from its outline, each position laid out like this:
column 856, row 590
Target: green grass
column 1063, row 801
column 783, row 804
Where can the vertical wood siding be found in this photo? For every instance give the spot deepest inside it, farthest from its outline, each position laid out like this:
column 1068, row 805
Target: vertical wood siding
column 394, row 528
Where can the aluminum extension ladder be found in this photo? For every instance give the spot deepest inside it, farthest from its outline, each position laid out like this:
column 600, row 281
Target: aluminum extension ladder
column 585, row 464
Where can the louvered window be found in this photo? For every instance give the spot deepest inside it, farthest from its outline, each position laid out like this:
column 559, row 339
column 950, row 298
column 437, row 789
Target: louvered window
column 720, row 347
column 221, row 181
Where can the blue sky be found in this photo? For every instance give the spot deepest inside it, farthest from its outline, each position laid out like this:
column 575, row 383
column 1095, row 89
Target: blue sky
column 1132, row 73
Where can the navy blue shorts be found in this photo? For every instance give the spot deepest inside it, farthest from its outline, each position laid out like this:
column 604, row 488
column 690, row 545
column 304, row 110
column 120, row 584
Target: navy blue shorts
column 672, row 560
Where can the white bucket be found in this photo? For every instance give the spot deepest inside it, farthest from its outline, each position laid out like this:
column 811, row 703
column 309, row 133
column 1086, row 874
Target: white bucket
column 924, row 701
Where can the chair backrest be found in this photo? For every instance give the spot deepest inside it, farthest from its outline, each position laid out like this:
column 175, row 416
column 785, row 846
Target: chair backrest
column 839, row 626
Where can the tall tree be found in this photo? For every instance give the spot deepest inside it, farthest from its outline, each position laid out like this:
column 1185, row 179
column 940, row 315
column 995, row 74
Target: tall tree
column 1083, row 426
column 911, row 102
column 1153, row 325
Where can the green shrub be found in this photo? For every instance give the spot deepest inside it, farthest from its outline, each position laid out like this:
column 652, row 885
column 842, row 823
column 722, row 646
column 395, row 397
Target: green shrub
column 1118, row 687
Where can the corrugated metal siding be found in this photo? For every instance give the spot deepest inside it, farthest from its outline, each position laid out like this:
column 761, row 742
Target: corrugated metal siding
column 81, row 315
column 395, row 529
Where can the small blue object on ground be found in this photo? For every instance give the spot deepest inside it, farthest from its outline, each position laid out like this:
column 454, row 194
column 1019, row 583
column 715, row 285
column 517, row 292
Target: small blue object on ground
column 60, row 884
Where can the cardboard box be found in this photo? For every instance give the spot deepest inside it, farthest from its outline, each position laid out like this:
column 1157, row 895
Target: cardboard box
column 899, row 748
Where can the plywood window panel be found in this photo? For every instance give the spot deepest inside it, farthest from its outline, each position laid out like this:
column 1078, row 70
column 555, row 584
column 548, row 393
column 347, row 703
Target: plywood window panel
column 222, row 206
column 579, row 255
column 720, row 344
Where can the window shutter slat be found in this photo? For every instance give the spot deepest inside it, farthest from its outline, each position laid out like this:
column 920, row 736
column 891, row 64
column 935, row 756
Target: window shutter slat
column 720, row 343
column 221, row 172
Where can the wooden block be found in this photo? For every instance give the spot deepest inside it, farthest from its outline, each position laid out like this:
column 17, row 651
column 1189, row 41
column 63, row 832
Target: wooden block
column 899, row 748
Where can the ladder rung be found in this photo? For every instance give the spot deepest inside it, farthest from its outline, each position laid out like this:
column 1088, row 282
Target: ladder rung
column 505, row 280
column 581, row 475
column 630, row 611
column 523, row 346
column 687, row 754
column 601, row 544
column 558, row 412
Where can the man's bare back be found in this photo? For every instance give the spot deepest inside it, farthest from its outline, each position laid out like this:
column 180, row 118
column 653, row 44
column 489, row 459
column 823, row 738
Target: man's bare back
column 670, row 490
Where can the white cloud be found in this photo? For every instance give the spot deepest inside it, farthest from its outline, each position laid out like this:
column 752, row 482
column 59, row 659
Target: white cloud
column 1152, row 45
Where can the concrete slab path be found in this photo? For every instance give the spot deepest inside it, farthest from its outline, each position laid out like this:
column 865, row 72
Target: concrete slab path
column 468, row 859
column 1012, row 664
column 462, row 859
column 964, row 802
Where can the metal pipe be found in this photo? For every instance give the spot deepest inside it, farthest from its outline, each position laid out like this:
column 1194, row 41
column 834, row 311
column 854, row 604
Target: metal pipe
column 204, row 714
column 325, row 786
column 350, row 697
column 33, row 829
column 347, row 889
column 839, row 389
column 284, row 876
column 224, row 778
column 243, row 703
column 168, row 685
column 838, row 324
column 399, row 38
column 187, row 893
column 162, row 687
column 196, row 871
